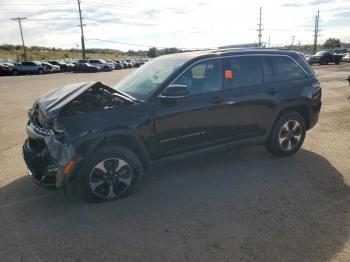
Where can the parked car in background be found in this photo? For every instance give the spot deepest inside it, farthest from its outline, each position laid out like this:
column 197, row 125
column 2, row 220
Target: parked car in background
column 138, row 63
column 50, row 68
column 62, row 65
column 346, row 58
column 4, row 70
column 125, row 64
column 85, row 68
column 101, row 64
column 31, row 67
column 105, row 137
column 325, row 57
column 118, row 65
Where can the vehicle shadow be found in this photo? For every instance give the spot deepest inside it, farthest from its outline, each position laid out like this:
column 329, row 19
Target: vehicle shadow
column 244, row 205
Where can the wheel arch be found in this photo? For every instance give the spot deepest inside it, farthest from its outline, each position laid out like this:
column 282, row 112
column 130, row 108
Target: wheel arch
column 125, row 139
column 303, row 110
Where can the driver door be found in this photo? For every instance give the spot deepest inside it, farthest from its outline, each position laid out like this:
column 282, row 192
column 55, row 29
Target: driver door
column 198, row 119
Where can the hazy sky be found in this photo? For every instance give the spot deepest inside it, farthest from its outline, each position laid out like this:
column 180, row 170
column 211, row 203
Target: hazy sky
column 180, row 23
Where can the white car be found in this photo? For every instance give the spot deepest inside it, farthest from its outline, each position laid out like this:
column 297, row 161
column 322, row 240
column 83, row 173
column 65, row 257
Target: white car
column 346, row 58
column 101, row 64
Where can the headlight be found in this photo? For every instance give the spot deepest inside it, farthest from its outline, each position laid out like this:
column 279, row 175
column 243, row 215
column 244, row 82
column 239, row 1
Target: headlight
column 58, row 131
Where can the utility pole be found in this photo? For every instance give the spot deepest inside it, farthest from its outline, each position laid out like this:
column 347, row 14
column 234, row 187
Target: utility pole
column 260, row 28
column 299, row 45
column 317, row 18
column 293, row 36
column 269, row 41
column 19, row 19
column 82, row 33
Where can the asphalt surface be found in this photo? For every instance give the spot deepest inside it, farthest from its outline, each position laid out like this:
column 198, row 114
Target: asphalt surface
column 242, row 205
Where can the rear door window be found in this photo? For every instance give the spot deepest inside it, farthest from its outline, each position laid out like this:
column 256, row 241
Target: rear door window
column 243, row 71
column 287, row 69
column 268, row 72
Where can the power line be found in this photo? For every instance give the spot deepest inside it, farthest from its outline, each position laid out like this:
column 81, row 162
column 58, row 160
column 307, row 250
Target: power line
column 19, row 19
column 148, row 46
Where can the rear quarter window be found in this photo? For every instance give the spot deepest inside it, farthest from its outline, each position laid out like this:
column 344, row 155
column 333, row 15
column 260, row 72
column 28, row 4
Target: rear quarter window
column 287, row 69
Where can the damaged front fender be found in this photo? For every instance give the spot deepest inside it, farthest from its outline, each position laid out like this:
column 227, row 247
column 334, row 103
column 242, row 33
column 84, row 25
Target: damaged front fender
column 66, row 157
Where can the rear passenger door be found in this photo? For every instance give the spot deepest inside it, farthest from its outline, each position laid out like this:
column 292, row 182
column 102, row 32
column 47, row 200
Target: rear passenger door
column 253, row 94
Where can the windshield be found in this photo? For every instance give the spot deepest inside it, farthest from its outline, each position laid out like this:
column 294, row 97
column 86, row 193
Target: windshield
column 143, row 82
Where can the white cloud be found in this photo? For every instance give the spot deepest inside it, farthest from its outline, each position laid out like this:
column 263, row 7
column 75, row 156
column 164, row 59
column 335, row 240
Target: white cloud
column 180, row 23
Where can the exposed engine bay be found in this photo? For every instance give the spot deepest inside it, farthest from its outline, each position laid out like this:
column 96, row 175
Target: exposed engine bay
column 95, row 98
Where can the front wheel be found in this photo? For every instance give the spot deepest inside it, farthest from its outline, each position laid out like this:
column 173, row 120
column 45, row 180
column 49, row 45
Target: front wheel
column 109, row 174
column 288, row 135
column 40, row 71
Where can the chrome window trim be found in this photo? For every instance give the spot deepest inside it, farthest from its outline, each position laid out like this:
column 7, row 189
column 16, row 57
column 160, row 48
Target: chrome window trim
column 230, row 56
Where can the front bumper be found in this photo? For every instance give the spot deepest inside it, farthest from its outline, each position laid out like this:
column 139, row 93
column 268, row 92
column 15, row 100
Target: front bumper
column 47, row 159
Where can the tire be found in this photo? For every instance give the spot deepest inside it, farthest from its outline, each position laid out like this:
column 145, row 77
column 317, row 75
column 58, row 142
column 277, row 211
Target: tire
column 40, row 71
column 106, row 69
column 15, row 72
column 287, row 135
column 337, row 63
column 98, row 178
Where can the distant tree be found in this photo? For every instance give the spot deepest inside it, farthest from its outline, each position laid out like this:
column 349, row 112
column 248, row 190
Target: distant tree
column 152, row 52
column 332, row 43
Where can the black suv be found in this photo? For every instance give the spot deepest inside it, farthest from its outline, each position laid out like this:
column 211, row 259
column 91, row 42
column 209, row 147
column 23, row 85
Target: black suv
column 106, row 137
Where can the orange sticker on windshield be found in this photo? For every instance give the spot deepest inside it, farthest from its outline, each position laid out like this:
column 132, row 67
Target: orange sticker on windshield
column 228, row 74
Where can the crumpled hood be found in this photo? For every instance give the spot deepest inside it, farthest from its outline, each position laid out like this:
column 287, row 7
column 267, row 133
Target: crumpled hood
column 52, row 103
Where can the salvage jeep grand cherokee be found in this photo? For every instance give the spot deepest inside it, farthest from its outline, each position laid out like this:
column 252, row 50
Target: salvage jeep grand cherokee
column 105, row 136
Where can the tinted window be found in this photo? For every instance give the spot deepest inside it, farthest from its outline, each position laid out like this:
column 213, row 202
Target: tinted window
column 268, row 72
column 246, row 71
column 203, row 77
column 27, row 63
column 287, row 69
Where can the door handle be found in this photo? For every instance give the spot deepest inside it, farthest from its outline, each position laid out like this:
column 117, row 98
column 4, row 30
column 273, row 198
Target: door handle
column 272, row 90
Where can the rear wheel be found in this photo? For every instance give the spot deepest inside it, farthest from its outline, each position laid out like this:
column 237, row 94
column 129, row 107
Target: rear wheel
column 287, row 135
column 110, row 174
column 15, row 72
column 40, row 71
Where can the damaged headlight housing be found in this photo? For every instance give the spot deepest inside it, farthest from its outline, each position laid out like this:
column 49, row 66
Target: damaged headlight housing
column 58, row 131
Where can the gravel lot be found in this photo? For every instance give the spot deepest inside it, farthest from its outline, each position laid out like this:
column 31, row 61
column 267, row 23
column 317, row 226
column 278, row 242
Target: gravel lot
column 244, row 205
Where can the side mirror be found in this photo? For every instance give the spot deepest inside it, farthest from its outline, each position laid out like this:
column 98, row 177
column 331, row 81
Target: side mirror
column 175, row 91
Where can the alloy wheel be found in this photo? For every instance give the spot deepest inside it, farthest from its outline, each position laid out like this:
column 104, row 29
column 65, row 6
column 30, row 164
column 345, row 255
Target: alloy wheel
column 290, row 135
column 110, row 178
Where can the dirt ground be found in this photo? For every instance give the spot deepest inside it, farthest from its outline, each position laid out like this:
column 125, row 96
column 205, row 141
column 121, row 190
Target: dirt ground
column 243, row 205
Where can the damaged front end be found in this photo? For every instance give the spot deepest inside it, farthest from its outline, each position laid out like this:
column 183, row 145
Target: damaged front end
column 48, row 151
column 50, row 162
